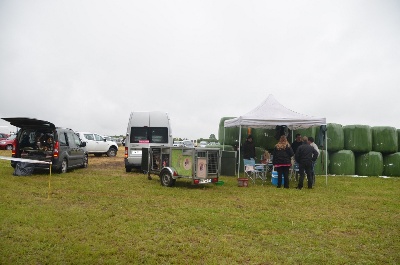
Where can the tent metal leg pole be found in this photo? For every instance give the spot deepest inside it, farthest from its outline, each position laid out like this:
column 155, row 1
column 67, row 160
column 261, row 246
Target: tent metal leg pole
column 223, row 144
column 240, row 137
column 326, row 157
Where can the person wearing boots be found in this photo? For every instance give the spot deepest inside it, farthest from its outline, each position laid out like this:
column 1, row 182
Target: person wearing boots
column 282, row 161
column 305, row 156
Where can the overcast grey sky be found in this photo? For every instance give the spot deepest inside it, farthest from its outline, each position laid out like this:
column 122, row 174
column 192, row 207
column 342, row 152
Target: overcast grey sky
column 87, row 64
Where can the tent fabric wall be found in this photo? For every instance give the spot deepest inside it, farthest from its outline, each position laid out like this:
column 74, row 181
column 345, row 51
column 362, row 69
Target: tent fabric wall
column 269, row 114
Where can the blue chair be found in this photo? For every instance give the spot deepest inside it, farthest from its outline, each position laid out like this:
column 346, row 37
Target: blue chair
column 261, row 172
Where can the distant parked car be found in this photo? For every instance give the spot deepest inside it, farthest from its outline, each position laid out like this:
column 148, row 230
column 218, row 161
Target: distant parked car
column 203, row 144
column 97, row 144
column 4, row 136
column 178, row 144
column 7, row 143
column 188, row 143
column 118, row 141
column 42, row 140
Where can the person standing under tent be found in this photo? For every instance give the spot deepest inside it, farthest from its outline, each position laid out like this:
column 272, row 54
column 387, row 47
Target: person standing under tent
column 305, row 156
column 249, row 149
column 311, row 142
column 281, row 159
column 296, row 143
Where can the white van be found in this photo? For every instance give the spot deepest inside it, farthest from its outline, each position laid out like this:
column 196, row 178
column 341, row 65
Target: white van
column 145, row 128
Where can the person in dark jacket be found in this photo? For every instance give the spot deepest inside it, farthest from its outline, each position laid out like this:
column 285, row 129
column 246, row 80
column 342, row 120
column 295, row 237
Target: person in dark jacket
column 249, row 149
column 282, row 160
column 305, row 156
column 296, row 143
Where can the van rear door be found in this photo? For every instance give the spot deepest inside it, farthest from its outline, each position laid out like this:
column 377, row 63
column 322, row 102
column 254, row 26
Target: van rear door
column 30, row 123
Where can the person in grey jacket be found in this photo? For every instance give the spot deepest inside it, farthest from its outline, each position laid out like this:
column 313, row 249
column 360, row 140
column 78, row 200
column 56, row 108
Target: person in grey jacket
column 305, row 156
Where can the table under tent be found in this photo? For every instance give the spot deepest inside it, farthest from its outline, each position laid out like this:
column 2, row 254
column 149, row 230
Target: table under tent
column 269, row 114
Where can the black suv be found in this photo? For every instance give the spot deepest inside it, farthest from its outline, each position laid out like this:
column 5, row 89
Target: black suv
column 41, row 140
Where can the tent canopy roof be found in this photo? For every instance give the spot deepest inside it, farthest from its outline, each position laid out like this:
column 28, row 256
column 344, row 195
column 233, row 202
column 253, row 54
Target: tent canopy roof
column 271, row 113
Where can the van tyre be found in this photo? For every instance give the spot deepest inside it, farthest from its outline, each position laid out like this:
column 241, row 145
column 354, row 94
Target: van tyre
column 64, row 166
column 112, row 152
column 85, row 161
column 128, row 169
column 166, row 179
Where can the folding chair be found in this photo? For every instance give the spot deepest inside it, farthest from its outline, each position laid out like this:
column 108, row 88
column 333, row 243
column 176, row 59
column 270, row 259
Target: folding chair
column 261, row 172
column 249, row 169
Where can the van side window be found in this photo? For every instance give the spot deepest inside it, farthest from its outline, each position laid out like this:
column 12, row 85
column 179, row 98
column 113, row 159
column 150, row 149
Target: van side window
column 71, row 139
column 77, row 141
column 62, row 140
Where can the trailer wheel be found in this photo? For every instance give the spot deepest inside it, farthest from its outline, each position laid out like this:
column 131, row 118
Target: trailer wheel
column 166, row 179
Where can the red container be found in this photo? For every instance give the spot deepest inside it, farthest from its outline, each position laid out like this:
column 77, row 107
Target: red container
column 243, row 182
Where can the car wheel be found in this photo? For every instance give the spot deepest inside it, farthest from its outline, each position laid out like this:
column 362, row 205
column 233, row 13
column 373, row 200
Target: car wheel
column 112, row 151
column 128, row 169
column 64, row 166
column 166, row 179
column 9, row 147
column 85, row 162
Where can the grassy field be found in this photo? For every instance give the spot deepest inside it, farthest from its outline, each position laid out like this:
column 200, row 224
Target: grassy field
column 103, row 215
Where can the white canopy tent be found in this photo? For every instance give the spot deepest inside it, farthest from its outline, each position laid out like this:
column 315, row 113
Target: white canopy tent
column 269, row 114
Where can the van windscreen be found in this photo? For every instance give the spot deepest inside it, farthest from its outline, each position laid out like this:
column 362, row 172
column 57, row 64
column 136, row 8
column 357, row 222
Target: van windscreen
column 149, row 135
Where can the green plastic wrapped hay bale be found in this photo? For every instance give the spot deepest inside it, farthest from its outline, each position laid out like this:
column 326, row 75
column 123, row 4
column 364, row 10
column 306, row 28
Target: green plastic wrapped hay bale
column 398, row 140
column 342, row 163
column 384, row 139
column 391, row 165
column 231, row 133
column 369, row 164
column 335, row 135
column 357, row 138
column 320, row 164
column 264, row 138
column 306, row 132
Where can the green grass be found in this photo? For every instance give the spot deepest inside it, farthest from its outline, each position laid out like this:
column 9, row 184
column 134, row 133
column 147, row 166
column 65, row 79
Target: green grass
column 102, row 215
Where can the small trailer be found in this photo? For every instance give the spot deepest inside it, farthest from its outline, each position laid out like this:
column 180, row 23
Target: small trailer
column 201, row 165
